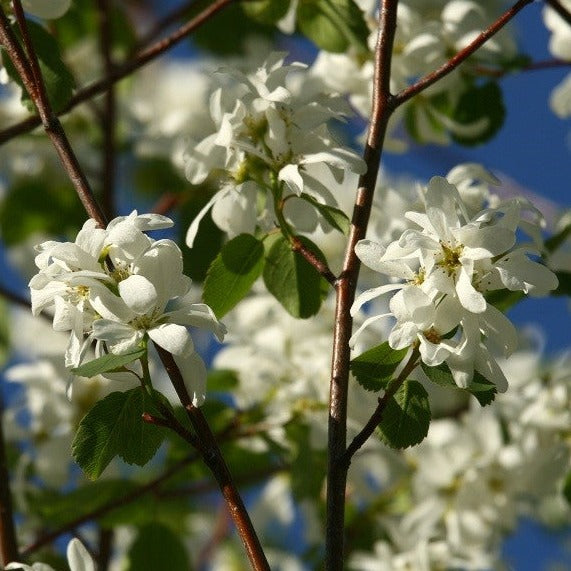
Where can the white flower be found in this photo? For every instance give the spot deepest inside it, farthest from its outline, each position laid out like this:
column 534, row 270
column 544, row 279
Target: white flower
column 270, row 142
column 47, row 9
column 78, row 559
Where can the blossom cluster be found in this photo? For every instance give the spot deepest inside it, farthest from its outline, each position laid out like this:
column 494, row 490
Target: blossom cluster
column 447, row 264
column 118, row 287
column 270, row 144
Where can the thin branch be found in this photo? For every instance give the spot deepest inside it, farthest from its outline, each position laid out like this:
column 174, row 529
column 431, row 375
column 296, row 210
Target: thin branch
column 560, row 9
column 121, row 71
column 214, row 460
column 8, row 544
column 321, row 266
column 111, row 505
column 533, row 66
column 377, row 415
column 461, row 56
column 108, row 118
column 383, row 106
column 30, row 74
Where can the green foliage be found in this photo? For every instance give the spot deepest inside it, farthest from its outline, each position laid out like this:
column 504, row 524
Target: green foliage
column 335, row 217
column 4, row 333
column 292, row 280
column 503, row 299
column 207, row 243
column 41, row 208
column 233, row 272
column 480, row 102
column 333, row 25
column 309, row 465
column 373, row 368
column 108, row 363
column 221, row 380
column 406, row 418
column 157, row 547
column 481, row 388
column 266, row 12
column 114, row 426
column 57, row 77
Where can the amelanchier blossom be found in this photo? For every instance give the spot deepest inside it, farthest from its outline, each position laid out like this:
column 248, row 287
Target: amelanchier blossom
column 445, row 266
column 117, row 287
column 271, row 140
column 78, row 559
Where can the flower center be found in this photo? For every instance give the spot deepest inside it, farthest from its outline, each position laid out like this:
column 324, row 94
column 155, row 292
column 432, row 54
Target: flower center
column 450, row 257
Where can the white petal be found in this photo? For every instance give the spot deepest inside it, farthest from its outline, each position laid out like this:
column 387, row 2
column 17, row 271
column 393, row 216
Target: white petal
column 78, row 557
column 138, row 293
column 370, row 294
column 291, row 176
column 193, row 372
column 193, row 229
column 172, row 337
column 469, row 297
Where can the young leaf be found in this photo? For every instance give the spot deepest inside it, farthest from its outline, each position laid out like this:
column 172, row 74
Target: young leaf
column 373, row 368
column 114, row 426
column 440, row 375
column 233, row 272
column 294, row 282
column 107, row 363
column 333, row 25
column 335, row 217
column 406, row 418
column 157, row 547
column 480, row 102
column 57, row 77
column 484, row 390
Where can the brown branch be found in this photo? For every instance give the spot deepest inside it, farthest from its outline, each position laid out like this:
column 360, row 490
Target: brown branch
column 383, row 106
column 560, row 9
column 8, row 544
column 533, row 66
column 121, row 71
column 108, row 118
column 215, row 462
column 29, row 71
column 321, row 266
column 377, row 415
column 461, row 56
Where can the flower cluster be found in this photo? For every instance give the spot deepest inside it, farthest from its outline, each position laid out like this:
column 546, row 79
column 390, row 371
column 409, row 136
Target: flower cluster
column 271, row 142
column 447, row 264
column 427, row 35
column 117, row 287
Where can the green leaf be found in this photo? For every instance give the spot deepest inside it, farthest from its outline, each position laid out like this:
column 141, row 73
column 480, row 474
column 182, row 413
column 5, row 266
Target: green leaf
column 294, row 282
column 440, row 375
column 335, row 217
column 157, row 547
column 567, row 488
column 266, row 12
column 484, row 390
column 477, row 103
column 221, row 380
column 406, row 418
column 373, row 369
column 233, row 273
column 57, row 77
column 333, row 25
column 107, row 363
column 504, row 299
column 114, row 426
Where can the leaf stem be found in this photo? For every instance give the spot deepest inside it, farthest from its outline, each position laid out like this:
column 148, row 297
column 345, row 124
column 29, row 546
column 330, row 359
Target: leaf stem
column 213, row 458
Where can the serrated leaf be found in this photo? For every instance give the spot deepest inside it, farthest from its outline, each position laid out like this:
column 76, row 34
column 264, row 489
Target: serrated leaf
column 373, row 369
column 478, row 103
column 107, row 363
column 114, row 426
column 406, row 418
column 484, row 390
column 293, row 281
column 335, row 217
column 266, row 12
column 157, row 547
column 57, row 78
column 333, row 25
column 233, row 272
column 440, row 375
